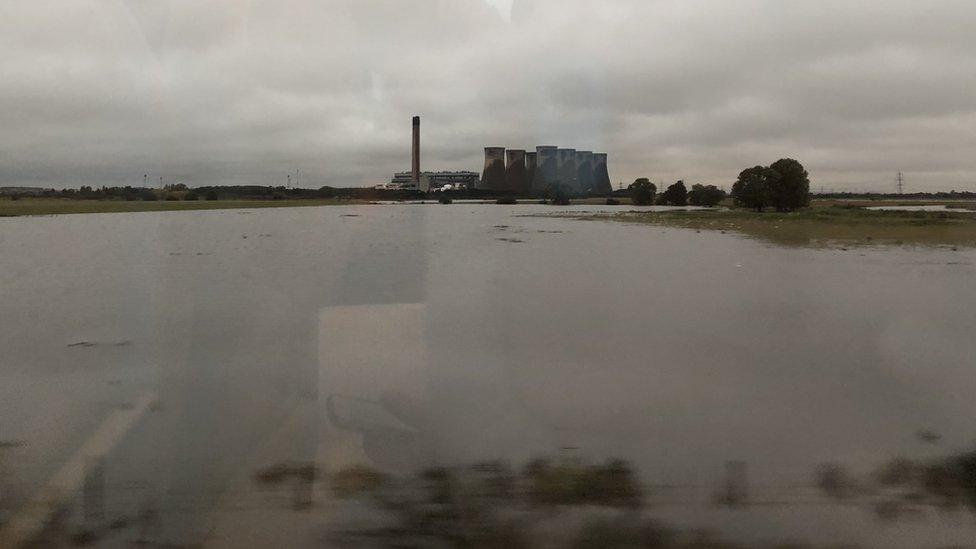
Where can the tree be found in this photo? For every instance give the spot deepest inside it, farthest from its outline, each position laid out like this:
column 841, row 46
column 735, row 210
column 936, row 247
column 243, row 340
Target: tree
column 791, row 190
column 642, row 191
column 752, row 189
column 675, row 195
column 705, row 195
column 557, row 195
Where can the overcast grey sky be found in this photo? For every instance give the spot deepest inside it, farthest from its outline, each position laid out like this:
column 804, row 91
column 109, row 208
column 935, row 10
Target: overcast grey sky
column 238, row 91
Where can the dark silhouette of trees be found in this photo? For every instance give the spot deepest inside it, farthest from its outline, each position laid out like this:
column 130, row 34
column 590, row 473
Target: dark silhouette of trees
column 784, row 185
column 705, row 195
column 642, row 191
column 752, row 189
column 675, row 195
column 791, row 190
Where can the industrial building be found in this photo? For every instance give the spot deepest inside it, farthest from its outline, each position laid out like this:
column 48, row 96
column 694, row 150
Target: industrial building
column 433, row 181
column 493, row 174
column 514, row 171
column 515, row 179
column 518, row 171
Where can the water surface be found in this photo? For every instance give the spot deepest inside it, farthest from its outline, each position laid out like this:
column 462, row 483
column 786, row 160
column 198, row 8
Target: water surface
column 406, row 335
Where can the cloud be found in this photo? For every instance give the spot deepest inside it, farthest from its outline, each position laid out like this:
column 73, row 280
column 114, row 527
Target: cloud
column 230, row 91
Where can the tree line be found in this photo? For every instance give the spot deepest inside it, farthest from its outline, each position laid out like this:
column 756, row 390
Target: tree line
column 181, row 191
column 644, row 193
column 783, row 185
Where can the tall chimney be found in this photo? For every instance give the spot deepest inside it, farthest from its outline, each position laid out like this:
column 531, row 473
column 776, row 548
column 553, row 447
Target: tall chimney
column 415, row 173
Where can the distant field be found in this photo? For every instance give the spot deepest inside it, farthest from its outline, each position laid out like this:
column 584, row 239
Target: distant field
column 822, row 226
column 60, row 206
column 970, row 205
column 966, row 204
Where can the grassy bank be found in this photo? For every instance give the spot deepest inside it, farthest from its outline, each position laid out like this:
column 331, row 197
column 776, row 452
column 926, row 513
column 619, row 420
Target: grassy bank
column 823, row 226
column 60, row 206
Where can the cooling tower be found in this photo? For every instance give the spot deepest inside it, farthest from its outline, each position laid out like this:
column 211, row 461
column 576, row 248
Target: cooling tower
column 493, row 176
column 529, row 170
column 601, row 177
column 566, row 170
column 545, row 168
column 515, row 171
column 584, row 171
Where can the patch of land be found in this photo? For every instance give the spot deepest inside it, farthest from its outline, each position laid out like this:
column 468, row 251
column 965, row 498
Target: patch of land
column 959, row 204
column 834, row 226
column 61, row 206
column 962, row 204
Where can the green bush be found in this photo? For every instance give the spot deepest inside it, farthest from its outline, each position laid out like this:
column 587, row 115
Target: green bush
column 705, row 195
column 675, row 195
column 784, row 185
column 613, row 484
column 642, row 191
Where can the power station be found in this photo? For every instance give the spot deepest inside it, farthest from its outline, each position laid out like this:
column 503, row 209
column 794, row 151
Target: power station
column 577, row 172
column 515, row 180
column 515, row 171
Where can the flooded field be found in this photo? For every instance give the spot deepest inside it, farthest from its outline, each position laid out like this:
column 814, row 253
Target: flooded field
column 154, row 363
column 921, row 208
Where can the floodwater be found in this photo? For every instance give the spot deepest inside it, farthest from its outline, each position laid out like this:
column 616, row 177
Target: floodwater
column 177, row 353
column 921, row 208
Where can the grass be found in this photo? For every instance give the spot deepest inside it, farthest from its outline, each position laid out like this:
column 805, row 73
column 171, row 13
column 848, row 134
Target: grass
column 821, row 226
column 62, row 206
column 966, row 205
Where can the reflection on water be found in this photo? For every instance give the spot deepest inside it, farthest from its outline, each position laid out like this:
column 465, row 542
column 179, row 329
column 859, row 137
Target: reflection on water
column 190, row 350
column 921, row 208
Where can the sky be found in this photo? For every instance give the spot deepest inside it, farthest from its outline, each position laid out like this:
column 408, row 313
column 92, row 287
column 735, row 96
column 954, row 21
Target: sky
column 101, row 92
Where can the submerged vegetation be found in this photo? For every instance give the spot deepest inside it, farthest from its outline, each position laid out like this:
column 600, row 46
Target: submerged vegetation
column 546, row 503
column 904, row 487
column 487, row 504
column 824, row 226
column 569, row 503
